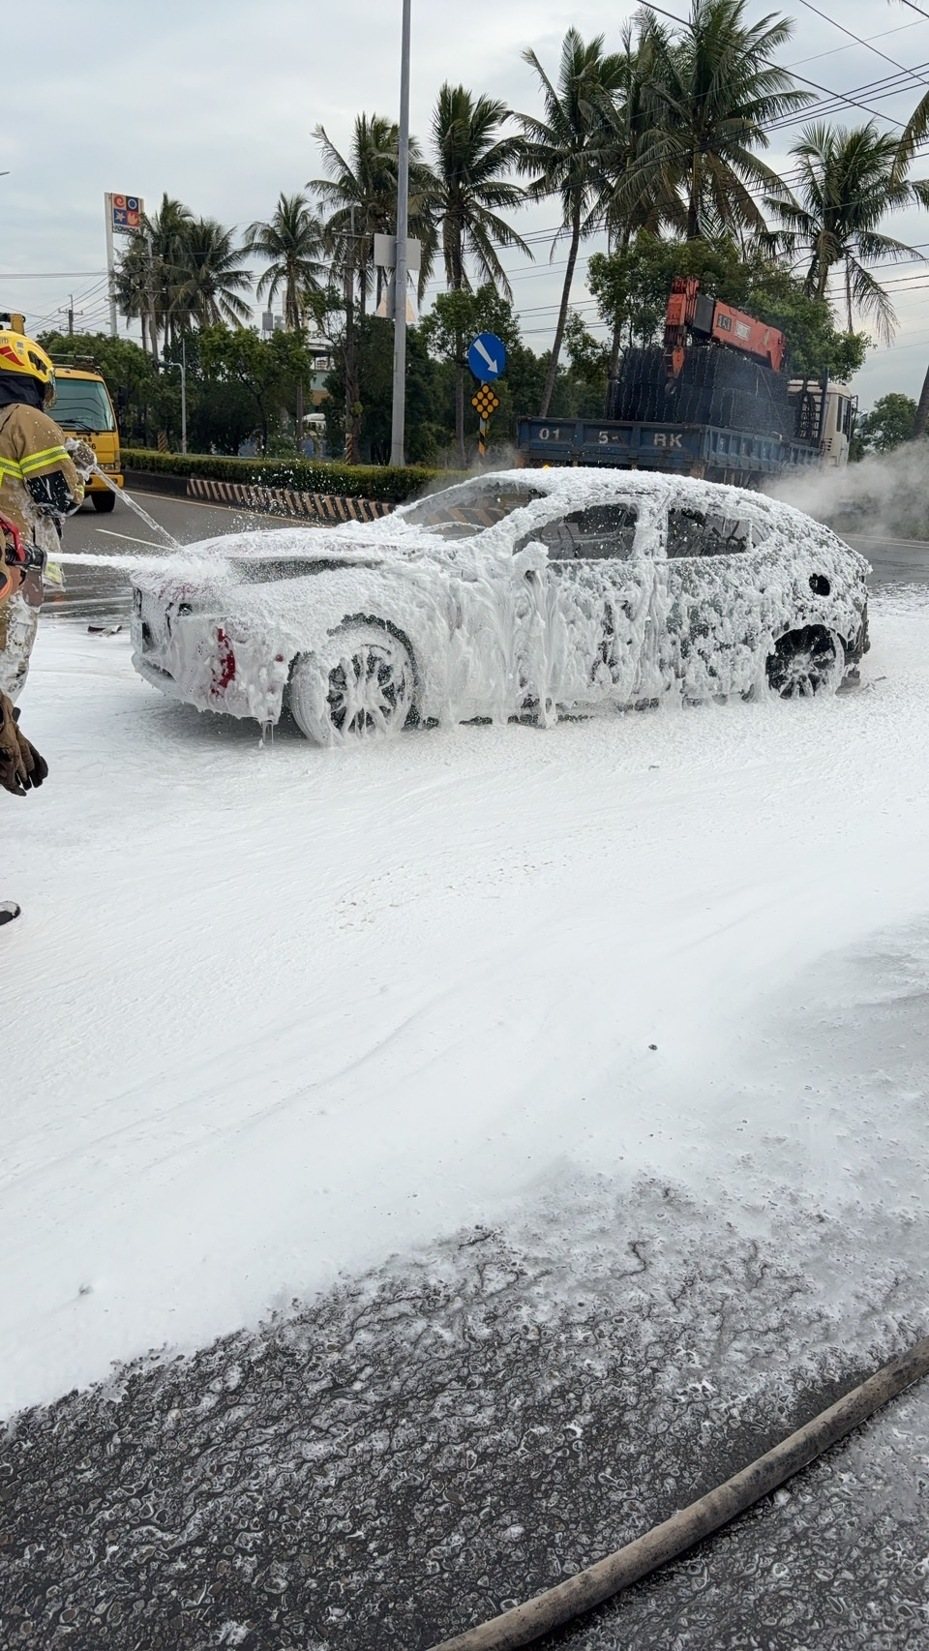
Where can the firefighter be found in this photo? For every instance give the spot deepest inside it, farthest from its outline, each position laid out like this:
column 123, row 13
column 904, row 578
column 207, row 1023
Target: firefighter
column 40, row 484
column 22, row 769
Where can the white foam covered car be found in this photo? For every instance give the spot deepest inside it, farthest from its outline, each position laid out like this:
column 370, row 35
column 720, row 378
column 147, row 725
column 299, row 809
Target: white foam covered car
column 524, row 591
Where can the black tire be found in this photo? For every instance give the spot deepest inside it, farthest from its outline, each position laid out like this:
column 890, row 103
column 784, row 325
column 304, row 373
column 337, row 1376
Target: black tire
column 103, row 502
column 806, row 662
column 360, row 686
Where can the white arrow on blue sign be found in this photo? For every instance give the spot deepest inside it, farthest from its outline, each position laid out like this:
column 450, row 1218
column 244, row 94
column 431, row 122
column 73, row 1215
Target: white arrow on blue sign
column 487, row 357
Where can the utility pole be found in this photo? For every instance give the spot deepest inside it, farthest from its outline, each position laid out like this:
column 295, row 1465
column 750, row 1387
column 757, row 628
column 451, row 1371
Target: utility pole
column 70, row 315
column 110, row 261
column 351, row 387
column 183, row 393
column 398, row 426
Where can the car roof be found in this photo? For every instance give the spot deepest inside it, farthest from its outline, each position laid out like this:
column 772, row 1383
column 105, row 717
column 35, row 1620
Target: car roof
column 580, row 485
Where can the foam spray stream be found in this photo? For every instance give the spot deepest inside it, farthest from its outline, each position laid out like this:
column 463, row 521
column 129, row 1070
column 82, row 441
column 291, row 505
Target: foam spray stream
column 134, row 505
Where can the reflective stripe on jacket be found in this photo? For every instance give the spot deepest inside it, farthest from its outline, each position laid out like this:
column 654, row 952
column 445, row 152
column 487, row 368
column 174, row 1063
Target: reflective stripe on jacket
column 31, row 446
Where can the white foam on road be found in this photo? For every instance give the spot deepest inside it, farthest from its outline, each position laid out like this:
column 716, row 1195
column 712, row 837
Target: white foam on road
column 274, row 1012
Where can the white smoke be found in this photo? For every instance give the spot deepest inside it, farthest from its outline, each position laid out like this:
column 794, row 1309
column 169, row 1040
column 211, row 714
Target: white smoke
column 886, row 496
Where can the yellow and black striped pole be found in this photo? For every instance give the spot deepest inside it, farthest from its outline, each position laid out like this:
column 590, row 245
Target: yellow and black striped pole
column 484, row 402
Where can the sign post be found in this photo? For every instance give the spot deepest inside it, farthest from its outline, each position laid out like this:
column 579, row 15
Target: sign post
column 487, row 361
column 398, row 414
column 123, row 215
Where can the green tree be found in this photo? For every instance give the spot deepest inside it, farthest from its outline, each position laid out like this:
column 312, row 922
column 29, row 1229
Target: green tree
column 425, row 436
column 147, row 275
column 455, row 318
column 848, row 182
column 166, row 233
column 715, row 87
column 634, row 196
column 268, row 370
column 140, row 394
column 562, row 153
column 359, row 198
column 133, row 287
column 589, row 359
column 291, row 242
column 208, row 281
column 631, row 289
column 890, row 423
column 472, row 157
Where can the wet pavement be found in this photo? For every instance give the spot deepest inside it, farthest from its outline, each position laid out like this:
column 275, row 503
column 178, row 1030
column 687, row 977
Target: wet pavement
column 423, row 1446
column 100, row 596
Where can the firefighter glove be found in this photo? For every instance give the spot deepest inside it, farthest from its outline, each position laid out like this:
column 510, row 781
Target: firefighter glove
column 82, row 455
column 22, row 769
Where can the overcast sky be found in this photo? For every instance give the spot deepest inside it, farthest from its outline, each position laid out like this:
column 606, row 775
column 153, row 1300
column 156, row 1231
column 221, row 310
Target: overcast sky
column 215, row 101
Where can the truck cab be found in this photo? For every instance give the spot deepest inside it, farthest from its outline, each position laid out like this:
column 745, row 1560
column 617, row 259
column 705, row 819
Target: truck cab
column 83, row 407
column 825, row 414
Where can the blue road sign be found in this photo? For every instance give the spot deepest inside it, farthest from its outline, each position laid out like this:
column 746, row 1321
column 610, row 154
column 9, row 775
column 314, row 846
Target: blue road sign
column 487, row 357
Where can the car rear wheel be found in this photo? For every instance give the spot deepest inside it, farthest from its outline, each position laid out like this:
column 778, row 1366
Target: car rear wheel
column 361, row 686
column 104, row 502
column 806, row 662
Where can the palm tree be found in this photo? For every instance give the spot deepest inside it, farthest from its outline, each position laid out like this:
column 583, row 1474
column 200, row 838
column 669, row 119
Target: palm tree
column 360, row 193
column 848, row 181
column 146, row 276
column 715, row 87
column 633, row 197
column 292, row 243
column 471, row 160
column 562, row 148
column 132, row 287
column 208, row 278
column 472, row 157
column 165, row 232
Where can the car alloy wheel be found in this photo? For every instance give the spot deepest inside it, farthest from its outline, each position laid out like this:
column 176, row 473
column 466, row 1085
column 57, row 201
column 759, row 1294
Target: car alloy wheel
column 806, row 662
column 359, row 687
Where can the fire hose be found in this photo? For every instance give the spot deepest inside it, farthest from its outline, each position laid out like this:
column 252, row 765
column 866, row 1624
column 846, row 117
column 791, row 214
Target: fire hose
column 524, row 1624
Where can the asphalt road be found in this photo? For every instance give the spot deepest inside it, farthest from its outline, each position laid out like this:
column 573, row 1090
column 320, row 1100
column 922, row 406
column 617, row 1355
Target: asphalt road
column 101, row 597
column 421, row 1447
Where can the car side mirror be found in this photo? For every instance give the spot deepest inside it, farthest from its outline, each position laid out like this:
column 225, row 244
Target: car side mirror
column 530, row 559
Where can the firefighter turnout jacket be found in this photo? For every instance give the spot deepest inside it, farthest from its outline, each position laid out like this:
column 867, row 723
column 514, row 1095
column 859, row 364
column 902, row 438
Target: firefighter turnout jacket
column 37, row 478
column 39, row 486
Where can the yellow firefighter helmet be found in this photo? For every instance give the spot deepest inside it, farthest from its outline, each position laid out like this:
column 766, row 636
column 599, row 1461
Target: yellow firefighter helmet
column 19, row 354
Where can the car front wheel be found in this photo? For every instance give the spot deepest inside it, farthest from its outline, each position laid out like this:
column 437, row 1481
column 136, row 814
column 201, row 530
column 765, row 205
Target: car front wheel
column 103, row 502
column 360, row 686
column 806, row 662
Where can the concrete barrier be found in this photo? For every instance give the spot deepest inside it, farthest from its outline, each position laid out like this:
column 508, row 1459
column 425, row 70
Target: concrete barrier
column 286, row 501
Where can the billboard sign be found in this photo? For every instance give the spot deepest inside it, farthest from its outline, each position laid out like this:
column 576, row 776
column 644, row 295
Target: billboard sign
column 125, row 213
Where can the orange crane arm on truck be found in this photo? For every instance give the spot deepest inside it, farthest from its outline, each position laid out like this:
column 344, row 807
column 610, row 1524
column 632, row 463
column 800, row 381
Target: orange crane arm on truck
column 691, row 311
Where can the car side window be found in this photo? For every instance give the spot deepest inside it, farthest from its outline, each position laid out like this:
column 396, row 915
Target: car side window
column 705, row 533
column 603, row 532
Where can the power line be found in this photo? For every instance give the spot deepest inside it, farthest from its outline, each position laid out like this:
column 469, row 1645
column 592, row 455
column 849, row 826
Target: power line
column 50, row 274
column 857, row 39
column 887, row 86
column 884, row 34
column 683, row 23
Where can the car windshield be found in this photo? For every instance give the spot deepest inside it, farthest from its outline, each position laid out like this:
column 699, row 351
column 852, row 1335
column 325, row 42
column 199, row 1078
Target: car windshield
column 82, row 404
column 258, row 571
column 459, row 512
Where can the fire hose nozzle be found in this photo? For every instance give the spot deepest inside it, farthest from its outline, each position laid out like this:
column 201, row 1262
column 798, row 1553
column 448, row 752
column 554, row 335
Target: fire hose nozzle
column 27, row 558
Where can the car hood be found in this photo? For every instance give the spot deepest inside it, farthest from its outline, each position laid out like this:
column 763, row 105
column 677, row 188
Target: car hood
column 237, row 561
